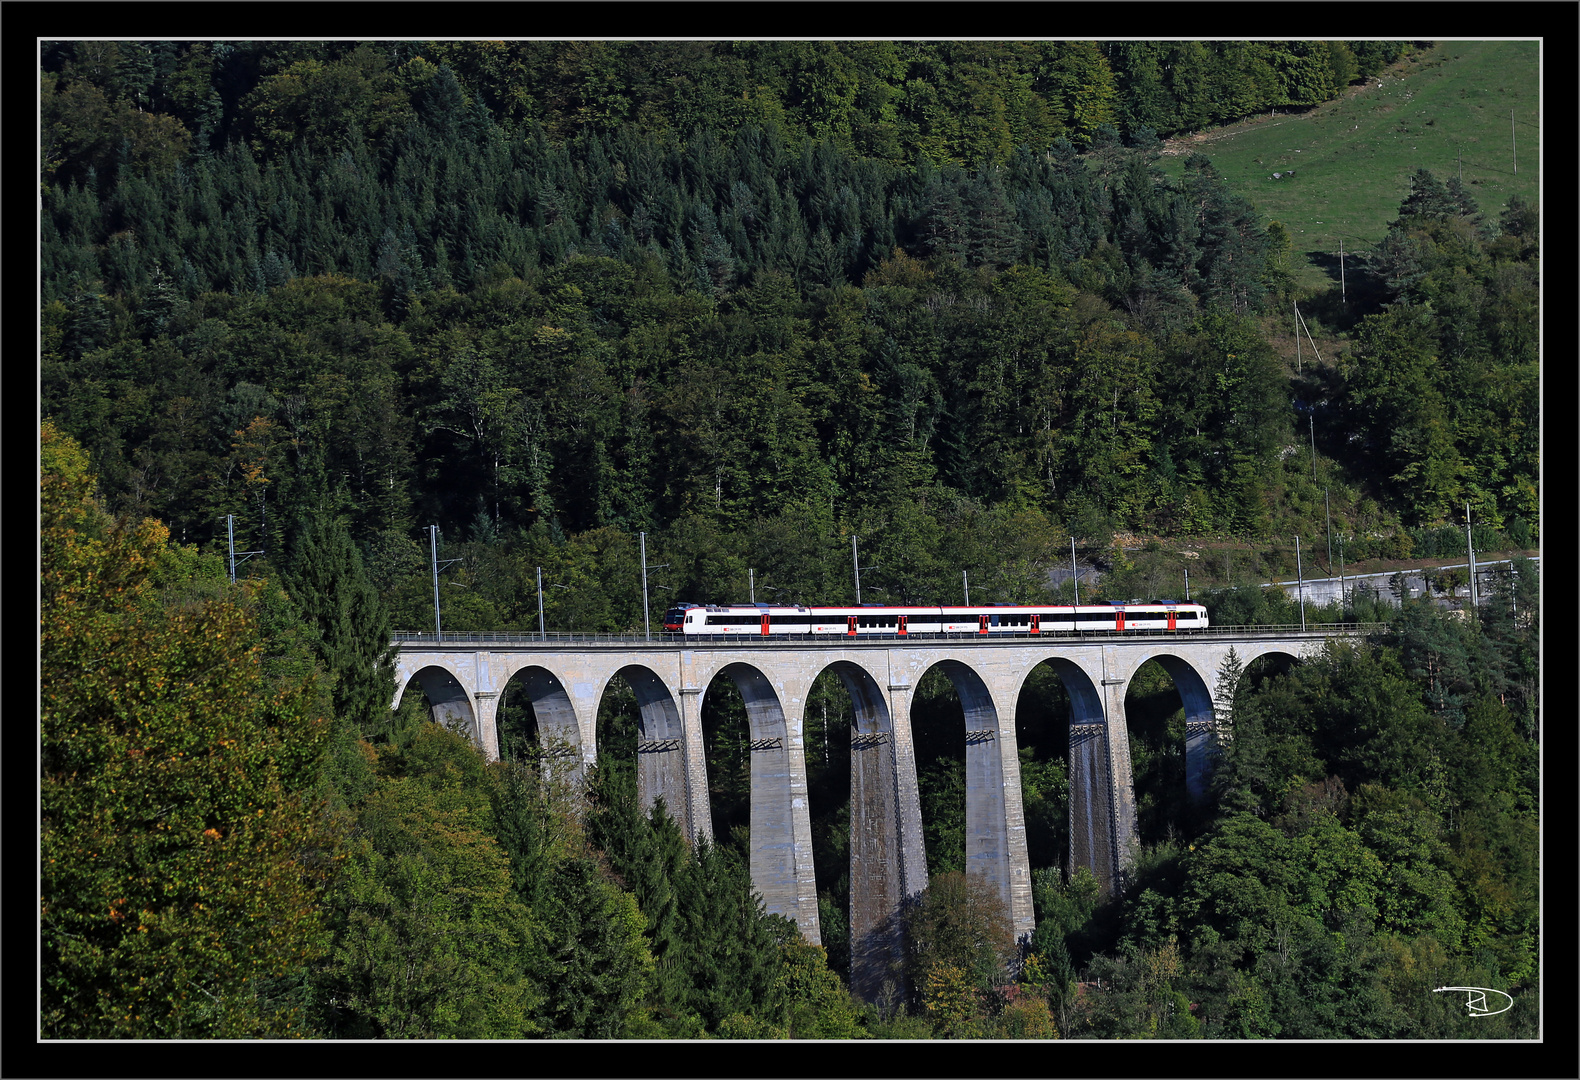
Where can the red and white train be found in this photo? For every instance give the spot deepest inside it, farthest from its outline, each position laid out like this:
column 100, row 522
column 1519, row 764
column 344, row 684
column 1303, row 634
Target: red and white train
column 1152, row 616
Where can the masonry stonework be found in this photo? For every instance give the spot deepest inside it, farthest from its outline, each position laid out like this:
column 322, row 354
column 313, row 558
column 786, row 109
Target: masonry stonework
column 565, row 680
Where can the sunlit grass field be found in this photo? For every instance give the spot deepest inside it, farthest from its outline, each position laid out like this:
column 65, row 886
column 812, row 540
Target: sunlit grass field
column 1351, row 159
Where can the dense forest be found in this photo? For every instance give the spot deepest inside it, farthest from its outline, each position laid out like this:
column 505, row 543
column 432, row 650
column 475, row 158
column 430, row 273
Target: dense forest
column 751, row 300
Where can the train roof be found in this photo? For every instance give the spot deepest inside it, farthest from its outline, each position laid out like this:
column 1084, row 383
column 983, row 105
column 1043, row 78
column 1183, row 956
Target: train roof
column 1095, row 605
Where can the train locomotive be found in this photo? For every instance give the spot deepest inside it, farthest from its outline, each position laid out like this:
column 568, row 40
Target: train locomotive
column 879, row 620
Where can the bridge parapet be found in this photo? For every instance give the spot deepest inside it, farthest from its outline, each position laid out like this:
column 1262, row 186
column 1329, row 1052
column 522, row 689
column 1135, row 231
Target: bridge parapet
column 525, row 640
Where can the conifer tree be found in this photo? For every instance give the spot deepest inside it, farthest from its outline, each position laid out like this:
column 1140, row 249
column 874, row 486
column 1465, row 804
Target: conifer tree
column 1223, row 693
column 1428, row 198
column 325, row 577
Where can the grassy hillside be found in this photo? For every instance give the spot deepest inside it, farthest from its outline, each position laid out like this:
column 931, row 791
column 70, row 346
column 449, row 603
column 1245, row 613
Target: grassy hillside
column 1352, row 158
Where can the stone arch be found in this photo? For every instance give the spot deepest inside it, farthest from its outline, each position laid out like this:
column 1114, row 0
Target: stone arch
column 1284, row 657
column 985, row 810
column 559, row 732
column 990, row 852
column 866, row 696
column 1248, row 656
column 780, row 823
column 1195, row 691
column 1086, row 703
column 1195, row 675
column 661, row 749
column 878, row 850
column 1094, row 832
column 448, row 700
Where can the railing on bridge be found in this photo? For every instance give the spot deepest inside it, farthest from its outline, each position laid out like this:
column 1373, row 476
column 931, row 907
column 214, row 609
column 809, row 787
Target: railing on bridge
column 661, row 640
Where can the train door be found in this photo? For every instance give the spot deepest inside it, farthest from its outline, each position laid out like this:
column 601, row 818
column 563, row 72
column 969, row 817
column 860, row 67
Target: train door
column 903, row 618
column 1171, row 620
column 1119, row 615
column 765, row 624
column 982, row 624
column 1035, row 629
column 850, row 626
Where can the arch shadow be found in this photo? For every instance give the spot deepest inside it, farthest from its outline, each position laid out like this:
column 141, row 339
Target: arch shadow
column 1093, row 831
column 1200, row 725
column 877, row 858
column 994, row 821
column 448, row 702
column 660, row 748
column 987, row 849
column 559, row 734
column 780, row 828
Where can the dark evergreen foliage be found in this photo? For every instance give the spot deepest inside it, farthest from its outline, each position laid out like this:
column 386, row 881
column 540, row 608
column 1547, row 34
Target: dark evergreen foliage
column 323, row 573
column 751, row 299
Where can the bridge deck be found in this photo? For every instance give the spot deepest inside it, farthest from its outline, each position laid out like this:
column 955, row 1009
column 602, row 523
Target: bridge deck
column 527, row 640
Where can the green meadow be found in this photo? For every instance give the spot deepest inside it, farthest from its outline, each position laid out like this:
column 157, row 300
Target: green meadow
column 1347, row 164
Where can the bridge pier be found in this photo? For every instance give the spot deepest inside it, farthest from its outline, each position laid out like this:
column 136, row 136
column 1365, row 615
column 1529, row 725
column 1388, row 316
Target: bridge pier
column 693, row 809
column 664, row 759
column 995, row 814
column 487, row 704
column 1118, row 778
column 780, row 841
column 887, row 862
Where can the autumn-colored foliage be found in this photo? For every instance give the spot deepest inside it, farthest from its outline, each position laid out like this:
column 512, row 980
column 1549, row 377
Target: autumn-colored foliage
column 180, row 861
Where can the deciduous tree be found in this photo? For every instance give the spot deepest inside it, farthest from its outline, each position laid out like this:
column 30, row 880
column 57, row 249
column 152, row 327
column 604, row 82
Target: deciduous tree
column 181, row 856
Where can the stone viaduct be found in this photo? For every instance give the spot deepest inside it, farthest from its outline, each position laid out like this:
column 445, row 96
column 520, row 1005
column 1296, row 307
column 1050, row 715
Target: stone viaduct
column 464, row 676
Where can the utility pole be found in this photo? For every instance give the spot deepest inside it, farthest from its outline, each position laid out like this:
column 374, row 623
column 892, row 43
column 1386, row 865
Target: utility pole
column 1187, row 584
column 230, row 531
column 1075, row 573
column 1327, row 513
column 541, row 635
column 751, row 584
column 1341, row 572
column 1343, row 292
column 856, row 565
column 1514, row 144
column 1300, row 584
column 965, row 583
column 433, row 550
column 647, row 626
column 1470, row 549
column 1297, row 337
column 1311, row 416
column 433, row 547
